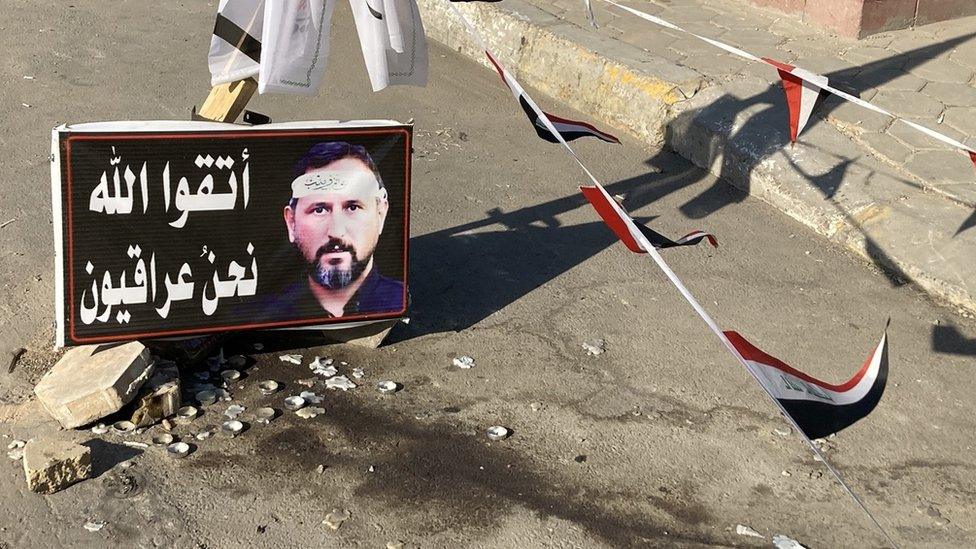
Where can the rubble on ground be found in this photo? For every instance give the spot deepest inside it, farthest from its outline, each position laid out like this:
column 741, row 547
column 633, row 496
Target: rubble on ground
column 335, row 518
column 91, row 382
column 595, row 347
column 53, row 465
column 159, row 398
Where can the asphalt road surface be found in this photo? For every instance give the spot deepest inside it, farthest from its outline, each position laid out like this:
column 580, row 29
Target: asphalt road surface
column 661, row 441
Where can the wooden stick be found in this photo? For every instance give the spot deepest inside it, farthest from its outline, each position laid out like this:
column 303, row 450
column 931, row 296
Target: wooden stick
column 227, row 101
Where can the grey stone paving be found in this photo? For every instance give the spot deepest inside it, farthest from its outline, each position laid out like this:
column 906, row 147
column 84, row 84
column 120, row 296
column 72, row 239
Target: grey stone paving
column 925, row 75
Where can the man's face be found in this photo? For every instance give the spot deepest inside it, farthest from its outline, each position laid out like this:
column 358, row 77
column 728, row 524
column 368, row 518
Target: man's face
column 337, row 221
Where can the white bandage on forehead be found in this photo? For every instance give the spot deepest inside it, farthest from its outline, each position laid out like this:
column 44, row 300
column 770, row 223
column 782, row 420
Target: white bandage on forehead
column 324, row 181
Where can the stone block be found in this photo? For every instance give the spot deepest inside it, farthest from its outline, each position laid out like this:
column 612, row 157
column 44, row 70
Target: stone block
column 159, row 397
column 92, row 382
column 53, row 465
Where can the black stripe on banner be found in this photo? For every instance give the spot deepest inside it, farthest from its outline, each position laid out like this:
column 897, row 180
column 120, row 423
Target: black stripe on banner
column 373, row 12
column 228, row 31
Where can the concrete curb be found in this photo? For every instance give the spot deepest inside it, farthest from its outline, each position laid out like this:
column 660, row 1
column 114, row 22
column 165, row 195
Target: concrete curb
column 880, row 215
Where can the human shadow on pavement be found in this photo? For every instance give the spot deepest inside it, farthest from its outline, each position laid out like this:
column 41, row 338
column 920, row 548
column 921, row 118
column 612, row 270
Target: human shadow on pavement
column 765, row 132
column 950, row 340
column 460, row 275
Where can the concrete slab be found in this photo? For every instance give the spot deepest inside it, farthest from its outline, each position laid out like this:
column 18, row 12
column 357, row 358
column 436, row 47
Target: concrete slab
column 93, row 381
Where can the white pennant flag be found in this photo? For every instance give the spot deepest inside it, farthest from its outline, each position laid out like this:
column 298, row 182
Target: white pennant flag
column 235, row 47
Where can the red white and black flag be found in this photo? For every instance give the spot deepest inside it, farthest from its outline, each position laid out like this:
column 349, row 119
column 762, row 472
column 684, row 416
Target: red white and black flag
column 617, row 219
column 569, row 129
column 802, row 89
column 818, row 408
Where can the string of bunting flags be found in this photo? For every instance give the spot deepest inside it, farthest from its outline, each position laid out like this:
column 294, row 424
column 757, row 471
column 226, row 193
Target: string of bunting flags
column 802, row 87
column 814, row 408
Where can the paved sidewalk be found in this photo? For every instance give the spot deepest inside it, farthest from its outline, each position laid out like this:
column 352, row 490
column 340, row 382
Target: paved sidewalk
column 891, row 194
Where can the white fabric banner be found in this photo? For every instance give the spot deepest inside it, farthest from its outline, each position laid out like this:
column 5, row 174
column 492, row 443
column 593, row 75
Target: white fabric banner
column 382, row 29
column 295, row 45
column 235, row 46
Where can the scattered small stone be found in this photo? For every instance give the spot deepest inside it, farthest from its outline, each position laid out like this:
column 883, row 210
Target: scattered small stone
column 310, row 397
column 123, row 427
column 166, row 425
column 932, row 512
column 16, row 454
column 335, row 519
column 339, row 382
column 536, row 406
column 307, row 382
column 94, row 525
column 268, row 387
column 162, row 439
column 234, row 410
column 230, row 375
column 294, row 403
column 358, row 373
column 320, row 469
column 206, row 433
column 265, row 415
column 294, row 359
column 15, row 444
column 784, row 432
column 394, row 545
column 52, row 465
column 323, row 368
column 133, row 444
column 28, row 77
column 580, row 458
column 186, row 414
column 310, row 412
column 232, row 427
column 178, row 449
column 387, row 387
column 497, row 432
column 342, row 363
column 207, row 397
column 786, row 473
column 464, row 362
column 744, row 530
column 785, row 542
column 371, row 469
column 595, row 347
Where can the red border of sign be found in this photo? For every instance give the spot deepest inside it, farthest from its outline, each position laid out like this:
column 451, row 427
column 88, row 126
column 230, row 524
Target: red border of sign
column 226, row 135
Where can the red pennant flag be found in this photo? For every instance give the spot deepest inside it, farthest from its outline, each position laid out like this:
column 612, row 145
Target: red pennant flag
column 616, row 219
column 611, row 217
column 972, row 156
column 802, row 90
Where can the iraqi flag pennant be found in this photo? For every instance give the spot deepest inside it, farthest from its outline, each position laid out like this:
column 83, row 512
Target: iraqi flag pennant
column 235, row 47
column 818, row 408
column 569, row 129
column 615, row 218
column 802, row 89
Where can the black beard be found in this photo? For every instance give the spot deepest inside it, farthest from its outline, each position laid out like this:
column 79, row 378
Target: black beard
column 334, row 278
